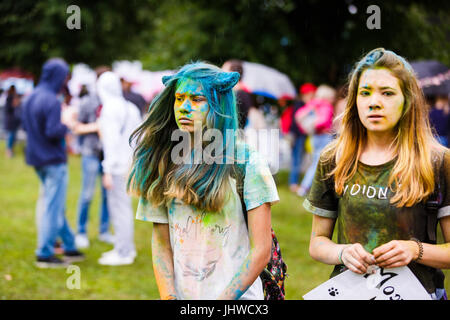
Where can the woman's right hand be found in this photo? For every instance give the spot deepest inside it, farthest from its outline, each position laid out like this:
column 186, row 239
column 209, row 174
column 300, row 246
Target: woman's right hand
column 356, row 258
column 107, row 181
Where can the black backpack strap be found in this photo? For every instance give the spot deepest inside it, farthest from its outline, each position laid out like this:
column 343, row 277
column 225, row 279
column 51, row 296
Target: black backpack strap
column 435, row 200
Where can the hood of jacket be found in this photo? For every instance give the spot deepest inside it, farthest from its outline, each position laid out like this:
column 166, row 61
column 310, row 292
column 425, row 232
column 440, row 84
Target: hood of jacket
column 109, row 88
column 54, row 73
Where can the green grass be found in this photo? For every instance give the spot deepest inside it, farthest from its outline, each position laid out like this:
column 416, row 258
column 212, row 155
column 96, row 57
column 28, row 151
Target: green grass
column 20, row 279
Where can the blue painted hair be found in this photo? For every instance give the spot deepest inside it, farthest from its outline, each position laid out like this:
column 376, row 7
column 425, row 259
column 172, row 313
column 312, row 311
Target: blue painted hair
column 370, row 60
column 217, row 86
column 154, row 176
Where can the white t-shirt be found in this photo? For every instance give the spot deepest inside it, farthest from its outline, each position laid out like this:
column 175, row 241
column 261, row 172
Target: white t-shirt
column 209, row 248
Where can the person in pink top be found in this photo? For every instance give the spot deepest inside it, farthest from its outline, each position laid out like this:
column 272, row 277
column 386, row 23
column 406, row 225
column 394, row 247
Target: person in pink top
column 316, row 119
column 306, row 93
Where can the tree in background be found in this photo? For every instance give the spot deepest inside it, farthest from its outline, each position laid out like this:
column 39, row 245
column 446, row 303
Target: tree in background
column 309, row 40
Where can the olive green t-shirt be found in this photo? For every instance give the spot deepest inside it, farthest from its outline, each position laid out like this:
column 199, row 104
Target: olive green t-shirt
column 364, row 213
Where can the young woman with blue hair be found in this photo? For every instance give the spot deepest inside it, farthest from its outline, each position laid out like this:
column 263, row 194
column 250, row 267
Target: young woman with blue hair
column 201, row 245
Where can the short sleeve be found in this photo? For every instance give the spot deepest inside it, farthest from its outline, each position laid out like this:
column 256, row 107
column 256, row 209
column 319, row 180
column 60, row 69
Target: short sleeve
column 444, row 210
column 322, row 199
column 146, row 212
column 259, row 186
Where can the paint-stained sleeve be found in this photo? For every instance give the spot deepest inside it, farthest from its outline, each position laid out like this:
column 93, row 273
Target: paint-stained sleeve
column 146, row 212
column 444, row 210
column 322, row 199
column 259, row 186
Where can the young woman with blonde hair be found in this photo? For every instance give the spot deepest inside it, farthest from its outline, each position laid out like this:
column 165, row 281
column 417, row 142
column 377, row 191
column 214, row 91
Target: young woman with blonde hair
column 381, row 178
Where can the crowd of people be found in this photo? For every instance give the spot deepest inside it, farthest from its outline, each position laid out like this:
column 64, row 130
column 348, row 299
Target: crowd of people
column 376, row 137
column 47, row 120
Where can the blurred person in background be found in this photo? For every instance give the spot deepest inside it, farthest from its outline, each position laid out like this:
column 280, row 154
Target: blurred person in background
column 12, row 119
column 243, row 98
column 286, row 108
column 298, row 136
column 3, row 96
column 46, row 152
column 132, row 96
column 316, row 119
column 69, row 111
column 118, row 119
column 91, row 151
column 440, row 117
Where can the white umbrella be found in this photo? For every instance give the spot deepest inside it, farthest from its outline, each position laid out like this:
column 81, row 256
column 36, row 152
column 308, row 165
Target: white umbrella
column 146, row 83
column 81, row 75
column 266, row 81
column 149, row 84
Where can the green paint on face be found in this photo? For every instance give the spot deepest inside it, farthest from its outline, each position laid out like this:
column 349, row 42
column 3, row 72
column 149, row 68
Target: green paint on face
column 190, row 104
column 379, row 101
column 189, row 86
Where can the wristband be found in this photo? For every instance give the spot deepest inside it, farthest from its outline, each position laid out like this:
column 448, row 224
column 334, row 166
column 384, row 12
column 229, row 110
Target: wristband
column 420, row 248
column 340, row 255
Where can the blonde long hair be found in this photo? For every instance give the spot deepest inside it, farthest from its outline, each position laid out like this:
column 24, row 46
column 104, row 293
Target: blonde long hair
column 412, row 177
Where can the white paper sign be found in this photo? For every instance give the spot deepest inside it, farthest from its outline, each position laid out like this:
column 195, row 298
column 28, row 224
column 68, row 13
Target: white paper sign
column 385, row 284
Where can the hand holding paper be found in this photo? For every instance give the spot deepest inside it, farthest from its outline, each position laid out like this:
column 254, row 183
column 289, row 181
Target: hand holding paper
column 356, row 258
column 384, row 284
column 396, row 253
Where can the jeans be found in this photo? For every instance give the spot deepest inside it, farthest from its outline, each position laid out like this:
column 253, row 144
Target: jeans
column 297, row 154
column 53, row 222
column 319, row 142
column 11, row 139
column 91, row 169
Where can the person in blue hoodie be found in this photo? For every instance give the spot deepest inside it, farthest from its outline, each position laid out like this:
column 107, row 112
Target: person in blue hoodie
column 46, row 152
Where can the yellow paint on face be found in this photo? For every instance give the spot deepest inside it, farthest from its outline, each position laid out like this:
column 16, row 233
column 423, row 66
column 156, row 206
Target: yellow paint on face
column 191, row 106
column 380, row 100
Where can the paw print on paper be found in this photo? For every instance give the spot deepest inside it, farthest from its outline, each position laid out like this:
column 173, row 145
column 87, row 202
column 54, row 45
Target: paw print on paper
column 333, row 292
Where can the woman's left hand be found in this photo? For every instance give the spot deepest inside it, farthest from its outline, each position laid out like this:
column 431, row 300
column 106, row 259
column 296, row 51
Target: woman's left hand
column 396, row 253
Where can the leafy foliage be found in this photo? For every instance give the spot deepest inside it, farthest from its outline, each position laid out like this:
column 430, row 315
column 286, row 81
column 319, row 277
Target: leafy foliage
column 309, row 40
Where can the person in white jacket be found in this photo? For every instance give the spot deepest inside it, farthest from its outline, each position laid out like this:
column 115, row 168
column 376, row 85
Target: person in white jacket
column 118, row 119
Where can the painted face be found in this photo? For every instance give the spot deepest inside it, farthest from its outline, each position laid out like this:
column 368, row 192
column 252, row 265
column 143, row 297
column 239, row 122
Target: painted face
column 379, row 101
column 191, row 105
